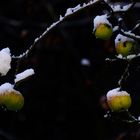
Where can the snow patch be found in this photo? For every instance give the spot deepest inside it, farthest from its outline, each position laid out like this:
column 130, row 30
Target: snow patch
column 101, row 19
column 6, row 87
column 69, row 11
column 5, row 61
column 24, row 75
column 116, row 92
column 115, row 28
column 118, row 8
column 121, row 38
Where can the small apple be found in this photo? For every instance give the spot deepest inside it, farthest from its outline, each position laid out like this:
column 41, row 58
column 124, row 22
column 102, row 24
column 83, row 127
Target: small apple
column 103, row 31
column 118, row 100
column 124, row 45
column 13, row 100
column 126, row 48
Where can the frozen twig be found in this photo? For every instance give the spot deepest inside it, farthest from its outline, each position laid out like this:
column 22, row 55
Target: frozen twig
column 130, row 35
column 68, row 14
column 124, row 75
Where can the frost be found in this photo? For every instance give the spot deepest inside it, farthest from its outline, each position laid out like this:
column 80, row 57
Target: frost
column 120, row 56
column 121, row 38
column 129, row 57
column 68, row 12
column 115, row 28
column 24, row 75
column 60, row 18
column 106, row 115
column 117, row 8
column 84, row 4
column 36, row 39
column 6, row 87
column 131, row 34
column 100, row 19
column 116, row 92
column 5, row 61
column 76, row 8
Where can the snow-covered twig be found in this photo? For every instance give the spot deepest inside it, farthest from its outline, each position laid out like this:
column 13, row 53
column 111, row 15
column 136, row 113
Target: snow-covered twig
column 69, row 13
column 130, row 35
column 136, row 26
column 23, row 75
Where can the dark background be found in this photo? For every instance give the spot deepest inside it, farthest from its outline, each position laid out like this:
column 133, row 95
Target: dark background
column 64, row 99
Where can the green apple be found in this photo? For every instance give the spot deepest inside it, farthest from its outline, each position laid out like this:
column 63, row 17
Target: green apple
column 126, row 48
column 14, row 100
column 119, row 101
column 103, row 31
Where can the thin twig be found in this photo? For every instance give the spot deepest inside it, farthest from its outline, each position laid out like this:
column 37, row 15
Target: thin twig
column 136, row 26
column 124, row 75
column 72, row 12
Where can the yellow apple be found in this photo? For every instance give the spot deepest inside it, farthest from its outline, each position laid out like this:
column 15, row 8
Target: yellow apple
column 126, row 48
column 118, row 100
column 14, row 100
column 103, row 31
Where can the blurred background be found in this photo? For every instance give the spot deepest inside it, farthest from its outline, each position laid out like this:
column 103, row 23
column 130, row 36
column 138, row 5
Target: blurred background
column 65, row 99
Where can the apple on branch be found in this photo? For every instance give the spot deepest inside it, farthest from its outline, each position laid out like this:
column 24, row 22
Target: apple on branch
column 124, row 45
column 118, row 100
column 102, row 27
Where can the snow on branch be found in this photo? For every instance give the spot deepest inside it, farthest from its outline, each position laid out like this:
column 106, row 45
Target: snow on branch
column 130, row 35
column 119, row 8
column 24, row 75
column 70, row 11
column 5, row 61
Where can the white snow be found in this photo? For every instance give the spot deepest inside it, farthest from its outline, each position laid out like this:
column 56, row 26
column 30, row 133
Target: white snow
column 101, row 19
column 116, row 92
column 68, row 12
column 117, row 8
column 115, row 28
column 5, row 61
column 106, row 115
column 120, row 56
column 60, row 18
column 131, row 34
column 121, row 38
column 129, row 57
column 24, row 75
column 85, row 62
column 76, row 8
column 6, row 87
